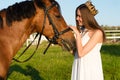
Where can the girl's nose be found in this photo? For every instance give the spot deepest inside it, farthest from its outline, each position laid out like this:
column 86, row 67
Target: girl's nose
column 77, row 18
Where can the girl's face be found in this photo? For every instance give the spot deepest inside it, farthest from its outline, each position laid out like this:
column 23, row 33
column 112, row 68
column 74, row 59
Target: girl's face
column 79, row 18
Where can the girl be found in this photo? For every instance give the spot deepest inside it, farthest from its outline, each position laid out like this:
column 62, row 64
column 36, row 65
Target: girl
column 89, row 35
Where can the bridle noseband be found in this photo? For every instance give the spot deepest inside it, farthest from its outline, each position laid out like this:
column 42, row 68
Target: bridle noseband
column 52, row 40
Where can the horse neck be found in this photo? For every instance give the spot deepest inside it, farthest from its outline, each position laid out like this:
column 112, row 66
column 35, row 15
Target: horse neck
column 21, row 33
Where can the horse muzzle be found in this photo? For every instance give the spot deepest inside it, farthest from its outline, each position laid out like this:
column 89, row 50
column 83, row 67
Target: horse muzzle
column 67, row 45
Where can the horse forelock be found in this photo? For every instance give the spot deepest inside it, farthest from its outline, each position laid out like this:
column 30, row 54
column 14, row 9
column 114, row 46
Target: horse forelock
column 41, row 4
column 56, row 4
column 19, row 11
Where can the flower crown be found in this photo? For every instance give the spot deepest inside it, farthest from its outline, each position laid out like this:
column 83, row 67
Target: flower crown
column 91, row 7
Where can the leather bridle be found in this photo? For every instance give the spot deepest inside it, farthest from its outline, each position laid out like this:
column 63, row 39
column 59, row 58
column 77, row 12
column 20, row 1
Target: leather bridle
column 52, row 40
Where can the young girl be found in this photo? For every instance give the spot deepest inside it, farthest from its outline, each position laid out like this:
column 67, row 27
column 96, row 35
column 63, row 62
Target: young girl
column 89, row 35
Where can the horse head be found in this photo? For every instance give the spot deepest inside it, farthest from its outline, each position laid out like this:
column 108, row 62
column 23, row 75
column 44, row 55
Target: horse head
column 54, row 27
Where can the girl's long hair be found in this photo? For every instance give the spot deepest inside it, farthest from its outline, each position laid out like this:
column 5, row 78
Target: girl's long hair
column 88, row 19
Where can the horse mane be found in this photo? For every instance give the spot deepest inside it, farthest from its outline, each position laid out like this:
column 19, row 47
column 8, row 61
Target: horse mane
column 22, row 10
column 19, row 11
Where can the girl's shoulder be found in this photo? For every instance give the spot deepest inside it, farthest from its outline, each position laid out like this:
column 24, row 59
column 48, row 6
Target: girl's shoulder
column 96, row 34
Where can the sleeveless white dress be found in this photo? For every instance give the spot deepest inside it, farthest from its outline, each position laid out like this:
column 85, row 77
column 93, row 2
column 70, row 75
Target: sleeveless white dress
column 88, row 67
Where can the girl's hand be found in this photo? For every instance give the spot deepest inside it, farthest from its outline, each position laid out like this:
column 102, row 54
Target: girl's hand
column 75, row 30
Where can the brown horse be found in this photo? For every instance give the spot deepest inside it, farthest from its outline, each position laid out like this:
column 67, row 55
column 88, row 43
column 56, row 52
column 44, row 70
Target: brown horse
column 20, row 20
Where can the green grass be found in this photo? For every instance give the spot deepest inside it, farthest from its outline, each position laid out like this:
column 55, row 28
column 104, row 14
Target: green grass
column 57, row 64
column 111, row 61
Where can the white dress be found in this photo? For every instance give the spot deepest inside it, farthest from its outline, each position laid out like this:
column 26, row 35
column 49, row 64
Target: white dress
column 88, row 67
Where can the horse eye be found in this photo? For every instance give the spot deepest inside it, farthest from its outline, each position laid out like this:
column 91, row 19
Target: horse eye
column 58, row 16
